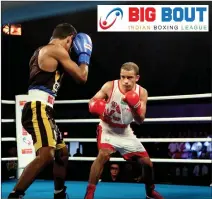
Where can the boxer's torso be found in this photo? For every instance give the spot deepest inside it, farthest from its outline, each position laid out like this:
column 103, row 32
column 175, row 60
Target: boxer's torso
column 117, row 111
column 42, row 80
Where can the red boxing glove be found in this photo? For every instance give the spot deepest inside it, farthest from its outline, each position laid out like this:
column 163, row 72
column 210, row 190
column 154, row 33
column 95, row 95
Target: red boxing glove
column 97, row 106
column 133, row 100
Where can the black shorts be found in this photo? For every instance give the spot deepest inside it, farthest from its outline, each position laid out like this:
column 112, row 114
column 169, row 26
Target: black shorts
column 38, row 121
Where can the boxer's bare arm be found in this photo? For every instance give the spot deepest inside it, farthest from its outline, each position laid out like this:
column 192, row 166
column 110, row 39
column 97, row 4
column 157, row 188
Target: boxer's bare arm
column 143, row 99
column 104, row 92
column 79, row 73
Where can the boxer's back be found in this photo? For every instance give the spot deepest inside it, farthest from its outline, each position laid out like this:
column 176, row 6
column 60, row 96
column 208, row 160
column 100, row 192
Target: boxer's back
column 43, row 79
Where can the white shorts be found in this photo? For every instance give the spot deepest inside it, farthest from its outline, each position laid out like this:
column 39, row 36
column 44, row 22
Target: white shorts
column 120, row 139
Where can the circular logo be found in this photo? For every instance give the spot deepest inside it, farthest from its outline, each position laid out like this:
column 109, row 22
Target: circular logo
column 104, row 24
column 27, row 141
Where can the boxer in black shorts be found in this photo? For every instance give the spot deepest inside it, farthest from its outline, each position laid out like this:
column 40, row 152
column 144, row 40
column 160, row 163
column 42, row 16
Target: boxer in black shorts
column 47, row 66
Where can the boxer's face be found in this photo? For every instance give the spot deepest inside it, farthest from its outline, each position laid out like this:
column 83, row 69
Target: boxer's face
column 128, row 79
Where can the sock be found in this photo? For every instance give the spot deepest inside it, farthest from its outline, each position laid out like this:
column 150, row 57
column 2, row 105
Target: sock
column 91, row 188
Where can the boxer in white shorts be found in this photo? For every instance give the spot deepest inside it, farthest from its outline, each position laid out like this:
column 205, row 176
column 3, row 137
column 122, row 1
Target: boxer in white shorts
column 122, row 140
column 118, row 103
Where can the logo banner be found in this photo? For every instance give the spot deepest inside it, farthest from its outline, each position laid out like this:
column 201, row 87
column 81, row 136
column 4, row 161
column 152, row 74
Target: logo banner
column 153, row 18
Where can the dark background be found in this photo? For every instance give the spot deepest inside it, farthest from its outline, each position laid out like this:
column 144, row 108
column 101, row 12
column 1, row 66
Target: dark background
column 170, row 64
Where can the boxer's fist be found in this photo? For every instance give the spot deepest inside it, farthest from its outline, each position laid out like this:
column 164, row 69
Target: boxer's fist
column 97, row 106
column 132, row 99
column 83, row 47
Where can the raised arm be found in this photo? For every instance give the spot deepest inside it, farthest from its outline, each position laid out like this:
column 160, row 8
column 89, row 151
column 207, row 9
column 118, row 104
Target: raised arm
column 98, row 101
column 82, row 45
column 143, row 100
column 138, row 105
column 79, row 73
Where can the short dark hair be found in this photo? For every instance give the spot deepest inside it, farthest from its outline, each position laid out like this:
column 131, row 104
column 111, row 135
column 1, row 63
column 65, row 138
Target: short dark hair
column 130, row 66
column 63, row 30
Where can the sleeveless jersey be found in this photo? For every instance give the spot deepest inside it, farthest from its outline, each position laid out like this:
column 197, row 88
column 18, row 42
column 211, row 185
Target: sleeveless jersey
column 118, row 111
column 42, row 80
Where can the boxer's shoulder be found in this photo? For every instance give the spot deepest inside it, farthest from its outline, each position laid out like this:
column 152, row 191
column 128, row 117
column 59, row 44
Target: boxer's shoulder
column 143, row 92
column 141, row 88
column 53, row 49
column 107, row 87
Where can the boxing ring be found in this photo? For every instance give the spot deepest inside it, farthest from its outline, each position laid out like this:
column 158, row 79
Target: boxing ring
column 76, row 190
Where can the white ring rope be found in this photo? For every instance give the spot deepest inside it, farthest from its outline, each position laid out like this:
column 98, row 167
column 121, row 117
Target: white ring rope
column 182, row 119
column 174, row 119
column 204, row 95
column 7, row 139
column 7, row 102
column 122, row 160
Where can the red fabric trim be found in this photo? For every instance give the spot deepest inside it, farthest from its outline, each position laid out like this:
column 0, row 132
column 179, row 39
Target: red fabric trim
column 106, row 146
column 102, row 145
column 128, row 156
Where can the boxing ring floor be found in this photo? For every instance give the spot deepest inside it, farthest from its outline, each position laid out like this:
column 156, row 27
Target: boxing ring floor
column 43, row 189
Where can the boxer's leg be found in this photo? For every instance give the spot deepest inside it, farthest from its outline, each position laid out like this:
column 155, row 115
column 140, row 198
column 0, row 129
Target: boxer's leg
column 133, row 149
column 44, row 157
column 37, row 123
column 105, row 150
column 60, row 163
column 59, row 171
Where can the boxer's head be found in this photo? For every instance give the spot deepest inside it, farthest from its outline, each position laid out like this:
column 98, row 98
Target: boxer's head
column 129, row 75
column 65, row 33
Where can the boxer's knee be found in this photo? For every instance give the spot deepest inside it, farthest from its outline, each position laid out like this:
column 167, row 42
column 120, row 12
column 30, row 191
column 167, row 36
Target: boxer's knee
column 145, row 161
column 61, row 156
column 104, row 155
column 45, row 155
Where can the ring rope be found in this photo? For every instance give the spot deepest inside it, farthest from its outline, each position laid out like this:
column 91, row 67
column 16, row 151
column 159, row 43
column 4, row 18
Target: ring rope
column 207, row 161
column 175, row 119
column 5, row 139
column 204, row 95
column 120, row 159
column 142, row 139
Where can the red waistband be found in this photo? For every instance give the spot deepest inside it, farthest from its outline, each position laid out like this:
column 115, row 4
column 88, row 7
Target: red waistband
column 111, row 124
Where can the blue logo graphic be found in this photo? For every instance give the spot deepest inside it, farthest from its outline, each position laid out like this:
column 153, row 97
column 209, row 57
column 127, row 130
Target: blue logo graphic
column 104, row 24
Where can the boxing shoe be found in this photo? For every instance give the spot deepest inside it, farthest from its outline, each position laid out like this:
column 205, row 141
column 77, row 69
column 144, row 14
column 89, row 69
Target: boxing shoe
column 89, row 195
column 155, row 195
column 62, row 194
column 152, row 194
column 16, row 195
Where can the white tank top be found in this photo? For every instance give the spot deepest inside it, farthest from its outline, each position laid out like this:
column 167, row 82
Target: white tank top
column 118, row 111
